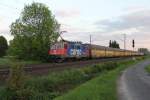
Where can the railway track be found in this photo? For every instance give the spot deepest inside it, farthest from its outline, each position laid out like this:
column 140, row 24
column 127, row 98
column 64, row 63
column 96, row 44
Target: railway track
column 42, row 69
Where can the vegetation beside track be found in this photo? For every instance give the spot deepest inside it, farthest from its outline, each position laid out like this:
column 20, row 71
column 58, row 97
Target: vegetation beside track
column 103, row 87
column 6, row 62
column 56, row 84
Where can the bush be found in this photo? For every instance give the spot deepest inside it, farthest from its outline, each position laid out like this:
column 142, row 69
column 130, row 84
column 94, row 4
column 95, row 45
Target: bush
column 16, row 77
column 55, row 80
column 15, row 89
column 90, row 71
column 109, row 66
column 3, row 46
column 99, row 68
column 141, row 58
column 54, row 84
column 71, row 76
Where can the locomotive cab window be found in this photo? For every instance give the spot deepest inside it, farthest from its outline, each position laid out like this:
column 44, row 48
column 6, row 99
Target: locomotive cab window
column 53, row 47
column 65, row 46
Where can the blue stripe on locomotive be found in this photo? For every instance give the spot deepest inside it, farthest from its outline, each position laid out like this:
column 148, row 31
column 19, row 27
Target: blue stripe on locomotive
column 76, row 49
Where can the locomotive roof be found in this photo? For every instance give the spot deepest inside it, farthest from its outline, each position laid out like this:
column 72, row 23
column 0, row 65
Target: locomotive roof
column 70, row 41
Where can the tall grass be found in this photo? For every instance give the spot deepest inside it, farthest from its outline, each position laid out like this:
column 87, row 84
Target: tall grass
column 15, row 85
column 54, row 84
column 102, row 87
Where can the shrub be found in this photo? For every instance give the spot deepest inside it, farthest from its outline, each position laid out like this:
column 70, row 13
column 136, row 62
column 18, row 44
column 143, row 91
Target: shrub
column 15, row 89
column 69, row 76
column 141, row 58
column 3, row 46
column 89, row 71
column 99, row 68
column 54, row 84
column 54, row 80
column 109, row 66
column 16, row 77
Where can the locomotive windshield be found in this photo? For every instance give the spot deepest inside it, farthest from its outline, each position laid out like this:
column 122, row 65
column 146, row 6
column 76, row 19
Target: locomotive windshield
column 57, row 46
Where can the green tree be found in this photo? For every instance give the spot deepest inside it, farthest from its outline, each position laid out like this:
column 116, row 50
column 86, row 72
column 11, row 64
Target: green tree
column 114, row 44
column 33, row 32
column 3, row 46
column 110, row 43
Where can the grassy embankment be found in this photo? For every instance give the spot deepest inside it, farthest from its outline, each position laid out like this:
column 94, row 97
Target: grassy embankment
column 103, row 87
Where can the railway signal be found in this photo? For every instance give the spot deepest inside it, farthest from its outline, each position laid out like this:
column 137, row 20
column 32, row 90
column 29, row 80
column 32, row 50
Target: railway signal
column 133, row 44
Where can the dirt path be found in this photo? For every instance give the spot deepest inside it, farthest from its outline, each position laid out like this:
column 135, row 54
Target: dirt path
column 134, row 83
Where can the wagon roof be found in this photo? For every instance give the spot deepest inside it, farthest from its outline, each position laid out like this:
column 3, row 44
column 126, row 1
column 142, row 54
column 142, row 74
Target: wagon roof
column 104, row 47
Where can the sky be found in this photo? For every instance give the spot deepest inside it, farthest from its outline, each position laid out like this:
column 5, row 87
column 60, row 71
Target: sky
column 104, row 20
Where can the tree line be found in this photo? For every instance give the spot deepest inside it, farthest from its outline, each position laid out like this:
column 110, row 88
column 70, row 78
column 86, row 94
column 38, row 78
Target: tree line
column 113, row 44
column 3, row 46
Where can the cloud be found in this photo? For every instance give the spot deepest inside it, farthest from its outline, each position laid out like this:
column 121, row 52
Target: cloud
column 74, row 28
column 134, row 8
column 138, row 20
column 68, row 28
column 67, row 13
column 135, row 25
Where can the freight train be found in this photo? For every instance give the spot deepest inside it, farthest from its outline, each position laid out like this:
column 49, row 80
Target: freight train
column 63, row 50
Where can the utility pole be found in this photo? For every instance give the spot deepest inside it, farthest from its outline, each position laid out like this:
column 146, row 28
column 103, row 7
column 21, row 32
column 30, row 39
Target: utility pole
column 90, row 54
column 124, row 44
column 124, row 41
column 90, row 39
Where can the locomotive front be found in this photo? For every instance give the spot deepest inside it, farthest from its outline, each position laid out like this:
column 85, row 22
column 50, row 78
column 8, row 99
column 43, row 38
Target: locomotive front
column 63, row 50
column 58, row 50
